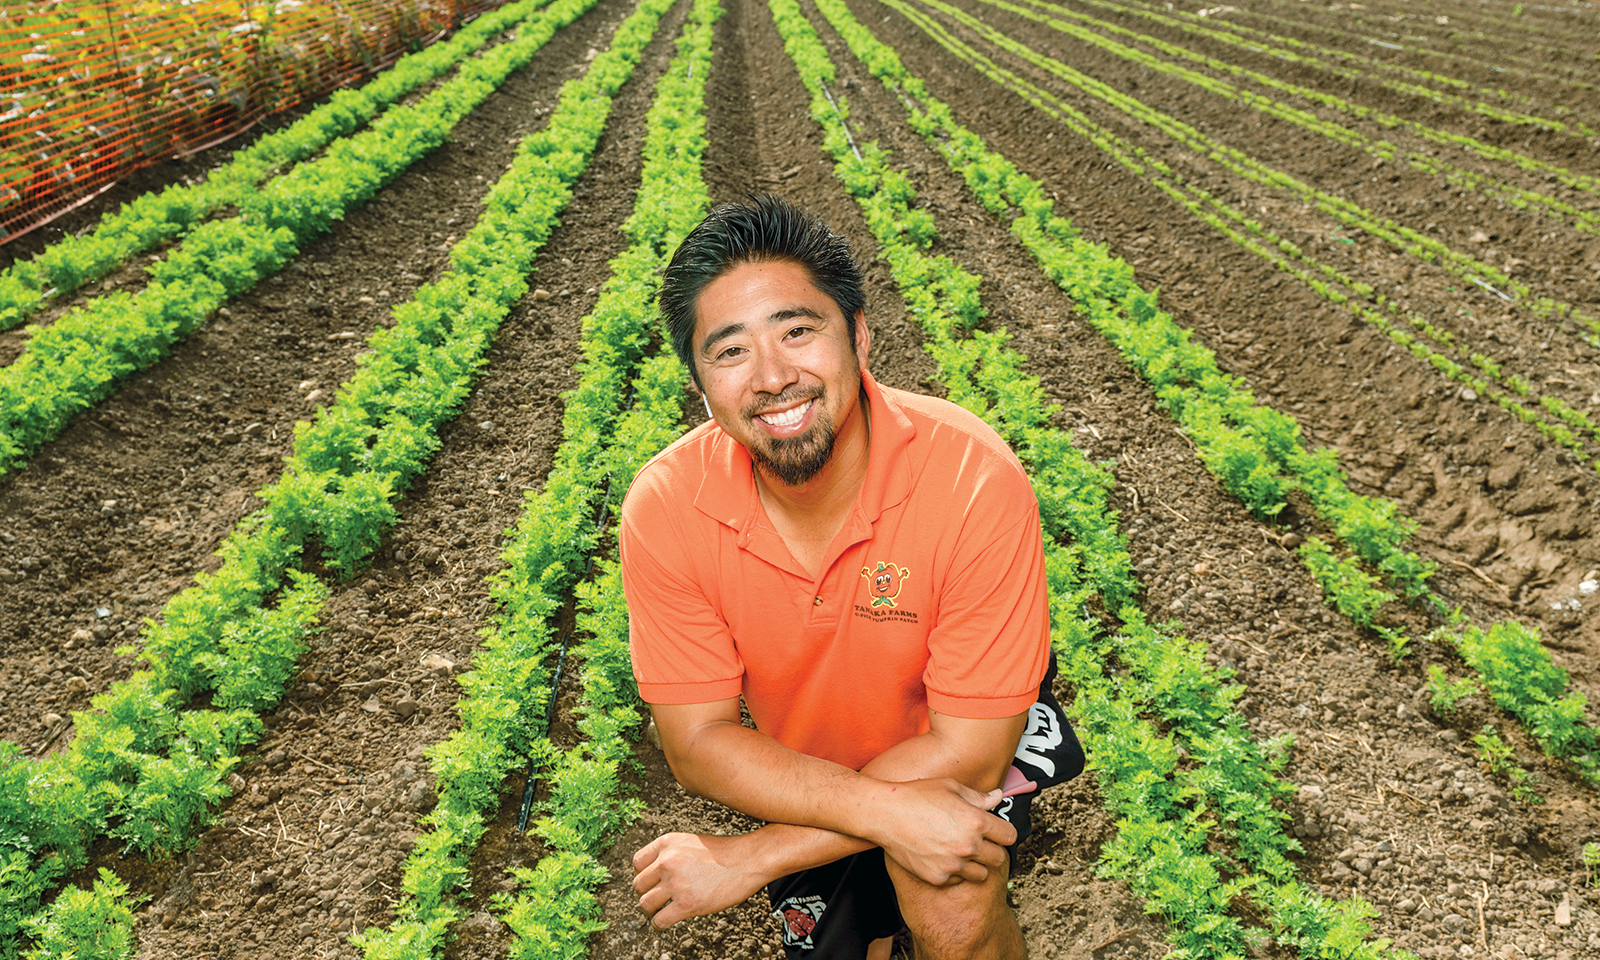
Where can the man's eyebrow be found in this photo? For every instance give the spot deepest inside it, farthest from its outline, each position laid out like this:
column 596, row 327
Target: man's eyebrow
column 737, row 327
column 721, row 333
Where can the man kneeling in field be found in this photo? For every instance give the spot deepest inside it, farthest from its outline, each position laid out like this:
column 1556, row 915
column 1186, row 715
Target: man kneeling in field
column 865, row 567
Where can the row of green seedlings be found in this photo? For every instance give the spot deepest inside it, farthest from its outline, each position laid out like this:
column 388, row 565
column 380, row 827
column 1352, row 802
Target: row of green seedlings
column 1254, row 450
column 1402, row 238
column 505, row 715
column 1470, row 24
column 1468, row 105
column 1466, row 144
column 1233, row 35
column 78, row 360
column 1481, row 14
column 1510, row 194
column 142, row 770
column 554, row 911
column 1532, row 67
column 1250, row 39
column 1175, row 817
column 159, row 217
column 1552, row 416
column 1373, row 63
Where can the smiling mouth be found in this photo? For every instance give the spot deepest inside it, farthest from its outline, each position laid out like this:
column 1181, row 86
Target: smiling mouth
column 787, row 418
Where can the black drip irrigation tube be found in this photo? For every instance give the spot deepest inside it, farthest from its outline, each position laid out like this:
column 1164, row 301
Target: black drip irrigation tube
column 561, row 658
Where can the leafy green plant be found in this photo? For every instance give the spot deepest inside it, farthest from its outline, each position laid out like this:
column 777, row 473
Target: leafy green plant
column 21, row 891
column 93, row 924
column 1591, row 861
column 1444, row 694
column 168, row 801
column 1500, row 760
column 1353, row 592
column 1399, row 641
column 257, row 652
column 1523, row 681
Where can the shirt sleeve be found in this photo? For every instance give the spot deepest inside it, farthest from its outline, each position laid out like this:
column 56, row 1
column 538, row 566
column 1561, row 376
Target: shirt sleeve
column 682, row 649
column 989, row 648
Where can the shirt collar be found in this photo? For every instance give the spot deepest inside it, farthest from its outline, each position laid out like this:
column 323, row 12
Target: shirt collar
column 728, row 495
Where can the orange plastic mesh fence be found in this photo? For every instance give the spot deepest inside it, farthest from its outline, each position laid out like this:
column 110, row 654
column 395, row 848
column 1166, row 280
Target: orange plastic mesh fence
column 91, row 90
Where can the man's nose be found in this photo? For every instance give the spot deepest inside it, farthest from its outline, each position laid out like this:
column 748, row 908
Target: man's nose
column 774, row 372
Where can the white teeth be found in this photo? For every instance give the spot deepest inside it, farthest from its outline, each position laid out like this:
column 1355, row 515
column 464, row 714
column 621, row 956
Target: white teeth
column 788, row 417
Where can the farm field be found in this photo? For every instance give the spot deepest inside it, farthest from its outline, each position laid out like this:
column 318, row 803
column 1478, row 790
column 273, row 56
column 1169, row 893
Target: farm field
column 1384, row 221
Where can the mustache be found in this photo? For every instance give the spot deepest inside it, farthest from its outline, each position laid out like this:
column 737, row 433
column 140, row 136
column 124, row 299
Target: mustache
column 790, row 396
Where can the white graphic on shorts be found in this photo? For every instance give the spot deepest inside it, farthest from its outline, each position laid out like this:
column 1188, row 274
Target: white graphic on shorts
column 799, row 916
column 1003, row 809
column 1043, row 736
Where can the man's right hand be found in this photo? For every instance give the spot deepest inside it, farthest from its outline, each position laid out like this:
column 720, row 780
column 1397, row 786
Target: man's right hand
column 940, row 831
column 682, row 875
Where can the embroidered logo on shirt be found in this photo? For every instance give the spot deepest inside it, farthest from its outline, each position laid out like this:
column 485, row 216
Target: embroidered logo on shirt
column 884, row 583
column 799, row 916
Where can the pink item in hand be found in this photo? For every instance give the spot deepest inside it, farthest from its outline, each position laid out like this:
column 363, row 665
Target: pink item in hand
column 1017, row 782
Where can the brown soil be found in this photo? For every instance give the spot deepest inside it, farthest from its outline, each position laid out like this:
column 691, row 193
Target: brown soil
column 120, row 512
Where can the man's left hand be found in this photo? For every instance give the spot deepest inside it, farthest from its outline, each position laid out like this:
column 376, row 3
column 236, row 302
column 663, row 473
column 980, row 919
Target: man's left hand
column 682, row 875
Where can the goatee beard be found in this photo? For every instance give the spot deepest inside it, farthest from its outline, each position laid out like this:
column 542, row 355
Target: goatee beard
column 794, row 461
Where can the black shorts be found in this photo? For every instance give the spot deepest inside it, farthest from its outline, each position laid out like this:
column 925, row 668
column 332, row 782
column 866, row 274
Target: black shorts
column 833, row 912
column 837, row 909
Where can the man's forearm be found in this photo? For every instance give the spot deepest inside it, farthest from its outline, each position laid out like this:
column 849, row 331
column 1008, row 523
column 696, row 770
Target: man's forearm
column 785, row 848
column 748, row 771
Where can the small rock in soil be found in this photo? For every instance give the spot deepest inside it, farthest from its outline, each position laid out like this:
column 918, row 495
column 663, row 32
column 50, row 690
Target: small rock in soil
column 439, row 665
column 421, row 798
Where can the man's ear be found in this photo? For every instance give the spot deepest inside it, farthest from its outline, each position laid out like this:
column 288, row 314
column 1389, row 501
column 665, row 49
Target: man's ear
column 863, row 338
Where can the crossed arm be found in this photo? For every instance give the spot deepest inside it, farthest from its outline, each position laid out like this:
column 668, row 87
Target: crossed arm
column 924, row 801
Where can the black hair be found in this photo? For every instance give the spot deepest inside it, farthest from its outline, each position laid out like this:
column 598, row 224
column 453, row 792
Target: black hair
column 762, row 228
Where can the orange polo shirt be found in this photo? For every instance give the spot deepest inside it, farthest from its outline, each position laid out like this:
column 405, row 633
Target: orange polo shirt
column 932, row 595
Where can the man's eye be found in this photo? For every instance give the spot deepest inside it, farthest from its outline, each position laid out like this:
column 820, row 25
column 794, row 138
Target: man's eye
column 730, row 353
column 799, row 331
